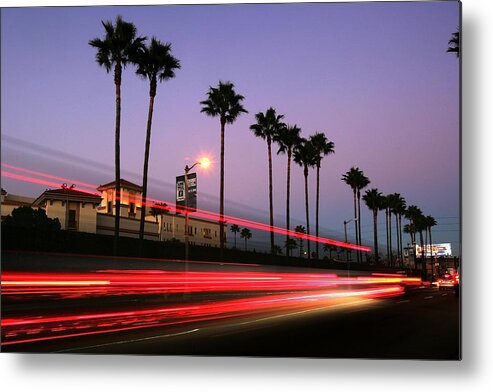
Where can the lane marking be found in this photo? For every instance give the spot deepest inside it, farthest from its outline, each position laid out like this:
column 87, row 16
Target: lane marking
column 403, row 301
column 131, row 341
column 429, row 297
column 443, row 295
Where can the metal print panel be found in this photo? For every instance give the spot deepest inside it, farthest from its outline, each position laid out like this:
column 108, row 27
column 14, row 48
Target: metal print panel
column 327, row 141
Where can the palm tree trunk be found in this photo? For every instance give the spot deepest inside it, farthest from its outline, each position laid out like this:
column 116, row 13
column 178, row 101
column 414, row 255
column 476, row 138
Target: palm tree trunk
column 397, row 236
column 287, row 201
column 235, row 239
column 317, row 208
column 400, row 239
column 118, row 79
column 423, row 264
column 375, row 235
column 144, row 176
column 432, row 258
column 221, row 195
column 359, row 227
column 245, row 244
column 307, row 212
column 390, row 238
column 271, row 205
column 356, row 218
column 387, row 228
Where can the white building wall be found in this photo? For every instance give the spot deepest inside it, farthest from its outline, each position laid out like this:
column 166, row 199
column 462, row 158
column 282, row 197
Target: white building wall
column 87, row 218
column 105, row 224
column 55, row 209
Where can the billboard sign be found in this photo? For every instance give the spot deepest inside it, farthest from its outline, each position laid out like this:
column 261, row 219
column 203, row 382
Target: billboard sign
column 435, row 250
column 192, row 192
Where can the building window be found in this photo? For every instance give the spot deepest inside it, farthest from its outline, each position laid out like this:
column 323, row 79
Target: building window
column 72, row 223
column 110, row 207
column 132, row 210
column 207, row 233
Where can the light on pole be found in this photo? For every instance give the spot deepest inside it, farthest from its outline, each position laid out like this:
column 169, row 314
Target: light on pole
column 205, row 163
column 345, row 235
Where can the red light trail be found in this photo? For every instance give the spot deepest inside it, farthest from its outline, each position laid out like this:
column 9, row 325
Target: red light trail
column 208, row 215
column 306, row 291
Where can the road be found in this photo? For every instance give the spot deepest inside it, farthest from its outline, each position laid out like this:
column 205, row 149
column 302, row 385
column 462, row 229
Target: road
column 221, row 310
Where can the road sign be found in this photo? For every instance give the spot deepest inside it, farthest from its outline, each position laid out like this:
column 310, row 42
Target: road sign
column 192, row 192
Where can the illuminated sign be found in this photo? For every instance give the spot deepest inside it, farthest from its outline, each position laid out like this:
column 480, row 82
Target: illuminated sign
column 192, row 192
column 436, row 250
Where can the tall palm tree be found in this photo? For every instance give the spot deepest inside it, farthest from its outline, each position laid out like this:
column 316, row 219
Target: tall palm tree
column 413, row 213
column 301, row 230
column 454, row 43
column 246, row 234
column 351, row 179
column 235, row 229
column 155, row 63
column 362, row 183
column 288, row 138
column 223, row 102
column 305, row 155
column 420, row 226
column 396, row 204
column 409, row 229
column 384, row 207
column 323, row 147
column 119, row 47
column 431, row 222
column 400, row 209
column 374, row 199
column 267, row 127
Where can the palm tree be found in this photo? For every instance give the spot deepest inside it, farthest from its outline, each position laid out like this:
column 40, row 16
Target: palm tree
column 119, row 47
column 329, row 248
column 235, row 229
column 301, row 230
column 305, row 155
column 290, row 244
column 430, row 222
column 223, row 102
column 351, row 179
column 246, row 234
column 400, row 209
column 374, row 199
column 323, row 147
column 155, row 63
column 395, row 203
column 409, row 229
column 385, row 206
column 267, row 127
column 287, row 138
column 277, row 250
column 362, row 183
column 454, row 44
column 420, row 226
column 413, row 213
column 357, row 181
column 159, row 209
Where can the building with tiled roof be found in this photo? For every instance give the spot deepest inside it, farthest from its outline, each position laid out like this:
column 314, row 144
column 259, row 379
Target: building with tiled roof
column 76, row 210
column 130, row 201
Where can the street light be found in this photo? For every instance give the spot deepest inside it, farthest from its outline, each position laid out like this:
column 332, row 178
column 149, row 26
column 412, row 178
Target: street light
column 205, row 163
column 345, row 234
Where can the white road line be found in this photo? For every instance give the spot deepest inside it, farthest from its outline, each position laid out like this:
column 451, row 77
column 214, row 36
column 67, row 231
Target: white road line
column 403, row 301
column 131, row 341
column 429, row 297
column 443, row 295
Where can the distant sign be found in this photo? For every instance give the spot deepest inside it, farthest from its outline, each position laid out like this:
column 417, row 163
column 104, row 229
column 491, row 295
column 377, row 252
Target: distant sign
column 192, row 192
column 436, row 250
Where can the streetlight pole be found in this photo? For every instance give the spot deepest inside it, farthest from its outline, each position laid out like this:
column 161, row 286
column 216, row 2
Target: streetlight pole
column 345, row 235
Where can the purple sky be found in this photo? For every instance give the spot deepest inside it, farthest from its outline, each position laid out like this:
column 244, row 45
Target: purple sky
column 374, row 77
